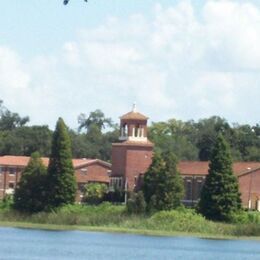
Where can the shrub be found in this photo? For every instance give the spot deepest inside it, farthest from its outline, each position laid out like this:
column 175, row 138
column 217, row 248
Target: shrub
column 6, row 203
column 136, row 204
column 184, row 220
column 95, row 193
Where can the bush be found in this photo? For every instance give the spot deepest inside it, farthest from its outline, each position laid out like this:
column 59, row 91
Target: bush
column 183, row 220
column 6, row 203
column 245, row 217
column 136, row 204
column 95, row 193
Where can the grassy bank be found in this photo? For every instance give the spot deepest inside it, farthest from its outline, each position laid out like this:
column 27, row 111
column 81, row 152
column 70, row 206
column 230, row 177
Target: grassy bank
column 112, row 218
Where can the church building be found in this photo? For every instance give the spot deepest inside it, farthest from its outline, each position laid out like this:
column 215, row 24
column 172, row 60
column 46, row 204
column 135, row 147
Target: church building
column 131, row 157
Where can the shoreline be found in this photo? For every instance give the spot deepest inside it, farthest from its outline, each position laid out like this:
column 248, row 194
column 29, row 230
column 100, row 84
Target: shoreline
column 144, row 232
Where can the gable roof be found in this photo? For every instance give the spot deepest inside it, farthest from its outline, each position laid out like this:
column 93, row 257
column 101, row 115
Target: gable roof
column 22, row 161
column 201, row 168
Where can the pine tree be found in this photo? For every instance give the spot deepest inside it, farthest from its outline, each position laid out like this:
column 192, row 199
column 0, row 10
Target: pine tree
column 220, row 194
column 61, row 179
column 151, row 181
column 30, row 194
column 163, row 185
column 173, row 188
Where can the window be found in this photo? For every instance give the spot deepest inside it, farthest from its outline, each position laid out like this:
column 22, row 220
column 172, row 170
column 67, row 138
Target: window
column 116, row 183
column 199, row 187
column 12, row 171
column 188, row 189
column 84, row 171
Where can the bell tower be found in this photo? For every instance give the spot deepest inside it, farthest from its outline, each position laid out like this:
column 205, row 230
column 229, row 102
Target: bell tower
column 132, row 155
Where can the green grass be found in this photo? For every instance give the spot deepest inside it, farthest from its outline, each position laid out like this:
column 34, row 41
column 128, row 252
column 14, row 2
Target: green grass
column 113, row 218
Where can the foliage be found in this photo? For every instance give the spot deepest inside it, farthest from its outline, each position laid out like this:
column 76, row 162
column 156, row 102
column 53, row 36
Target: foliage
column 26, row 140
column 107, row 216
column 30, row 194
column 220, row 195
column 181, row 220
column 6, row 203
column 95, row 119
column 188, row 140
column 163, row 185
column 174, row 136
column 9, row 120
column 95, row 192
column 61, row 178
column 136, row 203
column 94, row 143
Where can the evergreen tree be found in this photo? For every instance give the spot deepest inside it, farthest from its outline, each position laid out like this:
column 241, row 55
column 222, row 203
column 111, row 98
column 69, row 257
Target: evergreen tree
column 220, row 194
column 151, row 181
column 61, row 179
column 163, row 185
column 30, row 194
column 173, row 190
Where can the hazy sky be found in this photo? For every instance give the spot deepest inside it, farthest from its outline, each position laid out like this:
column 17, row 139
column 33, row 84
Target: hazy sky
column 175, row 59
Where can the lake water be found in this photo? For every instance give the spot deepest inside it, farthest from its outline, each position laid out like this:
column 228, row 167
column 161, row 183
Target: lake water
column 40, row 244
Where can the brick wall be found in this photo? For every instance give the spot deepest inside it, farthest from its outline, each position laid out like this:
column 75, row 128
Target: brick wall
column 138, row 160
column 249, row 185
column 92, row 173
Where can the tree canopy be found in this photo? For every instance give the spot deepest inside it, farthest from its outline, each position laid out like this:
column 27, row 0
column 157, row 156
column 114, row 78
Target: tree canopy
column 188, row 140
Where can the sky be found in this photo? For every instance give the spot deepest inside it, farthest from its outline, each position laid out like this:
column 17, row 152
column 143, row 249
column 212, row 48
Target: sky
column 175, row 59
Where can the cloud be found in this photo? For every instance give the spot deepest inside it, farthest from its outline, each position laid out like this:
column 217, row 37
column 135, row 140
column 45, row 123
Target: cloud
column 180, row 62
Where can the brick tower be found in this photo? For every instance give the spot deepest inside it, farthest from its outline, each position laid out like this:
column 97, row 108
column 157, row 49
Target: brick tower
column 132, row 155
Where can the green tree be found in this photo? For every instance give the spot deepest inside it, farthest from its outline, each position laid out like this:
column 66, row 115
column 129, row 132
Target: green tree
column 220, row 195
column 173, row 183
column 30, row 194
column 95, row 119
column 163, row 186
column 61, row 178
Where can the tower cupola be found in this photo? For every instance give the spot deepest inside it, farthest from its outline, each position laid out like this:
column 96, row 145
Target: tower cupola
column 133, row 126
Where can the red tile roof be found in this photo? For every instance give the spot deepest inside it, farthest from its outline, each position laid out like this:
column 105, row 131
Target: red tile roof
column 134, row 115
column 201, row 168
column 22, row 161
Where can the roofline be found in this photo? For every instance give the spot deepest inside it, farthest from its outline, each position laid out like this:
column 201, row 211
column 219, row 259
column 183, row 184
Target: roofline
column 109, row 165
column 248, row 172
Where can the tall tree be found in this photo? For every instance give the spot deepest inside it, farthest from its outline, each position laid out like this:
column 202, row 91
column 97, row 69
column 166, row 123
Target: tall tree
column 220, row 194
column 163, row 186
column 61, row 178
column 30, row 194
